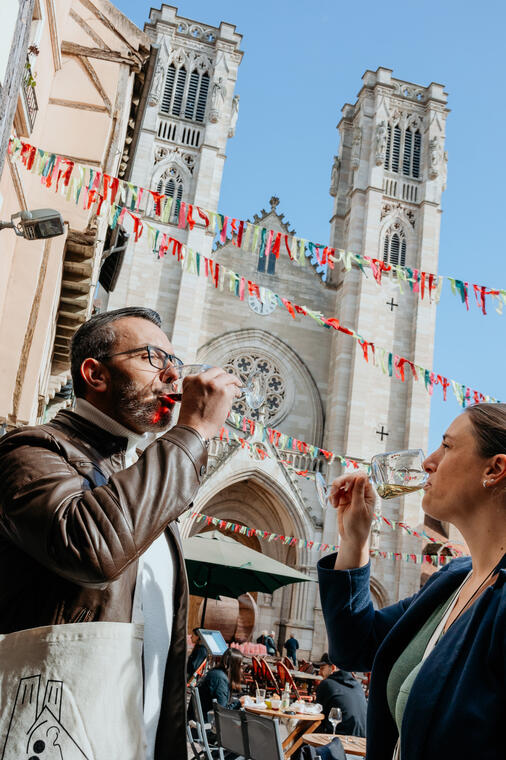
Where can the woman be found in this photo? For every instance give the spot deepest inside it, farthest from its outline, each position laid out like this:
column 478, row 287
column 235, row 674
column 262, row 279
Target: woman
column 197, row 655
column 223, row 682
column 438, row 659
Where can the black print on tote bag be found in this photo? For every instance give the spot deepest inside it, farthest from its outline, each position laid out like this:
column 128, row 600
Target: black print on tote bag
column 46, row 736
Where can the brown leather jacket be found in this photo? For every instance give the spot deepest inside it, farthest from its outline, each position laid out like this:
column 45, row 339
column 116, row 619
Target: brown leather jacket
column 73, row 523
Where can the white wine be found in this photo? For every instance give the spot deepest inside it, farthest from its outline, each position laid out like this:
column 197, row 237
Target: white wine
column 389, row 491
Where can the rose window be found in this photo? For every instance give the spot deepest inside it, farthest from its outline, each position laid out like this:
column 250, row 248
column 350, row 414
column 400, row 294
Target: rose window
column 243, row 366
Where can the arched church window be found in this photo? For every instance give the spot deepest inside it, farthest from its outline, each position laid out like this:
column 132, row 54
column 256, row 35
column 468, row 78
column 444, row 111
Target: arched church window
column 189, row 103
column 394, row 246
column 243, row 365
column 171, row 183
column 403, row 151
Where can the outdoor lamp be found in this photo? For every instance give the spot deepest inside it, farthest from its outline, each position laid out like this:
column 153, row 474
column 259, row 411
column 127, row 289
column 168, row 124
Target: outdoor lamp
column 36, row 224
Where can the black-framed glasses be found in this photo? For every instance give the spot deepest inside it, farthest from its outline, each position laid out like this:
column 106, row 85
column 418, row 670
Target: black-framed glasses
column 158, row 358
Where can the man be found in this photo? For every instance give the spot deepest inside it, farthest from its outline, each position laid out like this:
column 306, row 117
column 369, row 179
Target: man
column 340, row 689
column 80, row 503
column 270, row 644
column 291, row 646
column 262, row 637
column 197, row 655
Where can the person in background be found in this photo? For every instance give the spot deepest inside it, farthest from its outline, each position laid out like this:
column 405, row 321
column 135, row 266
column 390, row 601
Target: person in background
column 222, row 682
column 339, row 688
column 197, row 655
column 291, row 646
column 438, row 658
column 262, row 637
column 270, row 644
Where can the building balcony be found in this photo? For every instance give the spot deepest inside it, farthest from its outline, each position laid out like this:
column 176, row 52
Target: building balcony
column 27, row 104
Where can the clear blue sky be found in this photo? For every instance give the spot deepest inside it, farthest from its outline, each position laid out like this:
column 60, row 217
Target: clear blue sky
column 302, row 62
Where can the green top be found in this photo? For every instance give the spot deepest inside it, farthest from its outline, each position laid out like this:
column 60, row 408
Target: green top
column 405, row 669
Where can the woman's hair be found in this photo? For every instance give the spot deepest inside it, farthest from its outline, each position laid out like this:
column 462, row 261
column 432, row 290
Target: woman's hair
column 231, row 662
column 489, row 428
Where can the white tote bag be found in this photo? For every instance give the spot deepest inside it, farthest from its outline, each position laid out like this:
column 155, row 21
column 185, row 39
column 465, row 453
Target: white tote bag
column 72, row 692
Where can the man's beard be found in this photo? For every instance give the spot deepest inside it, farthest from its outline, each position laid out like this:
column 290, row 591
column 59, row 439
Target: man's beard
column 133, row 410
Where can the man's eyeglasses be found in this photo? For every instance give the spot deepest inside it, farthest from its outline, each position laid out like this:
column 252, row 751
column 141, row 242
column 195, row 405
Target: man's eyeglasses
column 158, row 358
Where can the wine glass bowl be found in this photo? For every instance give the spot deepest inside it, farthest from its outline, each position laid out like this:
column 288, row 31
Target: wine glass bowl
column 335, row 717
column 397, row 473
column 253, row 389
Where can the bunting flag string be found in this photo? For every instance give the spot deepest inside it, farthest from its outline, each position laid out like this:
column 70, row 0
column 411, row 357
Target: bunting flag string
column 302, row 543
column 101, row 191
column 70, row 178
column 286, row 444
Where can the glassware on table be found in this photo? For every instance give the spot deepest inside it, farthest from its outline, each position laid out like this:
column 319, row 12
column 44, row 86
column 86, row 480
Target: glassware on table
column 335, row 717
column 392, row 474
column 397, row 473
column 253, row 389
column 260, row 696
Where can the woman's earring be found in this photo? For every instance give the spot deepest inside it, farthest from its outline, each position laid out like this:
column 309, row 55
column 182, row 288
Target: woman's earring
column 485, row 484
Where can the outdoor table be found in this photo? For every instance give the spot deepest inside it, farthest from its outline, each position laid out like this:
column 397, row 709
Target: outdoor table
column 303, row 676
column 353, row 745
column 306, row 724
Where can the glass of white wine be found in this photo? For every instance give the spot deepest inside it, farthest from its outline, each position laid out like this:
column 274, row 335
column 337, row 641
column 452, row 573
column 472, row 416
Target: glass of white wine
column 392, row 474
column 253, row 389
column 397, row 473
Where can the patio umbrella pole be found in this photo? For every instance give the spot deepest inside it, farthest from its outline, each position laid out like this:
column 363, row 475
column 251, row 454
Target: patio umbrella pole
column 205, row 598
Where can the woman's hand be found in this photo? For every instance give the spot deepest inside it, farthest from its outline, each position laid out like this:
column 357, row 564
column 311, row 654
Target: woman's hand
column 354, row 498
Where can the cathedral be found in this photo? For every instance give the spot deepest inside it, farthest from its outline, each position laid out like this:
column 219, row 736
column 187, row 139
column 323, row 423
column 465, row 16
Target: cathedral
column 386, row 181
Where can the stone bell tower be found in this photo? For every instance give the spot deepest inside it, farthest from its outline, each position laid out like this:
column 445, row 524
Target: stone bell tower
column 191, row 112
column 387, row 181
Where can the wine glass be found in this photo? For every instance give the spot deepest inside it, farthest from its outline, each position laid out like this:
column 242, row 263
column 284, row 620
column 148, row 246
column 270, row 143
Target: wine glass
column 392, row 474
column 253, row 389
column 398, row 472
column 335, row 717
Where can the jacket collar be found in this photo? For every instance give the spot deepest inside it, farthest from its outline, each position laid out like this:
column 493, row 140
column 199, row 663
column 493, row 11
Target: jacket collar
column 104, row 442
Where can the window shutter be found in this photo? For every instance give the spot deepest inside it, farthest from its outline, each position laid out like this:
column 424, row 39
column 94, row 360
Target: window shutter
column 385, row 248
column 403, row 253
column 178, row 95
column 417, row 149
column 408, row 146
column 388, row 148
column 159, row 186
column 170, row 188
column 394, row 249
column 201, row 104
column 396, row 148
column 192, row 95
column 167, row 90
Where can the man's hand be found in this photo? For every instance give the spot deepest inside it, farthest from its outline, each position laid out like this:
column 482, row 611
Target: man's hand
column 207, row 399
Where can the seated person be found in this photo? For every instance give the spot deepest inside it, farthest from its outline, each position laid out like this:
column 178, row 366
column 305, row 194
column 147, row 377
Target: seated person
column 222, row 682
column 197, row 655
column 340, row 689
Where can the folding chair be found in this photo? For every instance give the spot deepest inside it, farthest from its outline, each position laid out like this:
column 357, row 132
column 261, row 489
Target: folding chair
column 288, row 662
column 268, row 677
column 257, row 670
column 231, row 731
column 285, row 676
column 194, row 678
column 264, row 741
column 197, row 733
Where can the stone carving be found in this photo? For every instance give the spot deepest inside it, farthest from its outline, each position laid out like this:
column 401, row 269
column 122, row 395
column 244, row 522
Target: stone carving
column 444, row 170
column 399, row 210
column 381, row 142
column 356, row 147
column 156, row 87
column 274, row 201
column 234, row 115
column 243, row 365
column 218, row 94
column 160, row 153
column 334, row 176
column 434, row 158
column 409, row 91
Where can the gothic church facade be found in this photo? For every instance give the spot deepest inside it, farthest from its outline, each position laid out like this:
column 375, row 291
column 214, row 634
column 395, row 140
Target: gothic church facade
column 386, row 180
